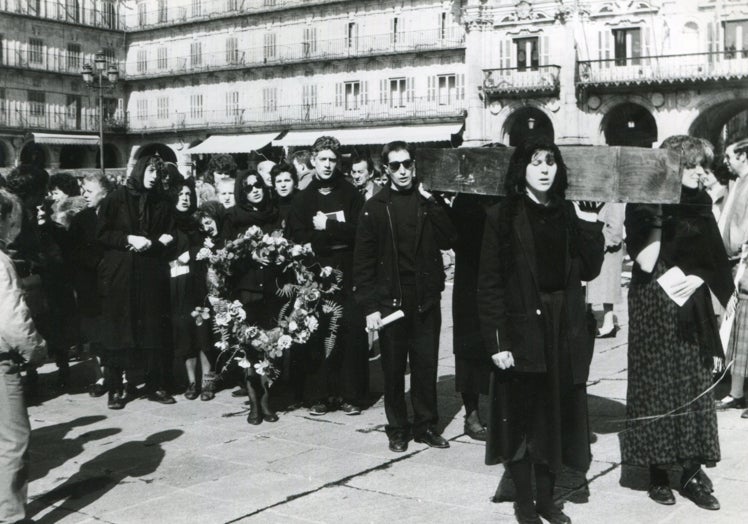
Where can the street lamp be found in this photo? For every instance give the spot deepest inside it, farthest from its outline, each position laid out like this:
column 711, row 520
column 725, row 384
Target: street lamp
column 90, row 75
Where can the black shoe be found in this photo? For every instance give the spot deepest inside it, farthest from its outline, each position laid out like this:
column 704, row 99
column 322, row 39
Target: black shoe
column 319, row 408
column 699, row 494
column 705, row 481
column 476, row 433
column 131, row 392
column 270, row 417
column 191, row 393
column 608, row 334
column 116, row 401
column 432, row 439
column 350, row 409
column 162, row 397
column 96, row 390
column 661, row 494
column 254, row 417
column 398, row 443
column 526, row 516
column 553, row 514
column 744, row 414
column 241, row 392
column 733, row 403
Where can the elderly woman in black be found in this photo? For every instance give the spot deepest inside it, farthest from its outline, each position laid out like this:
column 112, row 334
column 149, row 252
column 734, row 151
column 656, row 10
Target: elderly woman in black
column 134, row 228
column 255, row 288
column 670, row 412
column 537, row 248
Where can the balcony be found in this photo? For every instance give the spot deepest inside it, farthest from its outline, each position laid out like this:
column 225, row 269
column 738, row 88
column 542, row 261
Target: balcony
column 214, row 9
column 339, row 48
column 663, row 70
column 106, row 18
column 47, row 60
column 58, row 120
column 301, row 116
column 515, row 82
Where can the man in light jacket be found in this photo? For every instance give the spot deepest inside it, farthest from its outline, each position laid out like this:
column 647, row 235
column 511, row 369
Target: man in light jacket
column 20, row 345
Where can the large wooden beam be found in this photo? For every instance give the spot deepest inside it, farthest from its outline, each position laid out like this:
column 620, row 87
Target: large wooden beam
column 599, row 173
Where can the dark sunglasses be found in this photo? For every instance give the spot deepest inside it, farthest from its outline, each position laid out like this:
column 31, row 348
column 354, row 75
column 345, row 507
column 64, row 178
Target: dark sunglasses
column 395, row 165
column 257, row 185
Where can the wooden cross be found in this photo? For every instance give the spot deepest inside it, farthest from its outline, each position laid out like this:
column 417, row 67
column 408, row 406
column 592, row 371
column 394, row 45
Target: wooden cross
column 597, row 173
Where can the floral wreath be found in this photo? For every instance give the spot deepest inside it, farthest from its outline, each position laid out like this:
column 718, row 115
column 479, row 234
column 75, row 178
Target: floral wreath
column 308, row 289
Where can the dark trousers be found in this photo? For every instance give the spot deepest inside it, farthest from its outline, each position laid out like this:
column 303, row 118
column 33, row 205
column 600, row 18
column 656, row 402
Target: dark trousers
column 415, row 337
column 154, row 371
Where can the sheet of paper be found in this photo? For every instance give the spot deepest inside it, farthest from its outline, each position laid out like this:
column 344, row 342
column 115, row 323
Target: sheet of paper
column 672, row 278
column 336, row 215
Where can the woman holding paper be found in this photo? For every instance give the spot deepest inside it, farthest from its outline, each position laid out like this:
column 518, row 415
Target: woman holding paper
column 674, row 338
column 537, row 249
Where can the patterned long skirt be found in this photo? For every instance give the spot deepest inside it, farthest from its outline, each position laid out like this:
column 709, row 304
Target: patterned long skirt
column 668, row 419
column 737, row 347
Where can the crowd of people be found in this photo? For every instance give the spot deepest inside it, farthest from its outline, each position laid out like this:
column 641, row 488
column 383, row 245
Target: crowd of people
column 115, row 269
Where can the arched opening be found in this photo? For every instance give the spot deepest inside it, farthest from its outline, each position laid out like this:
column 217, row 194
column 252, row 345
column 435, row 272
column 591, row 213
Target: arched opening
column 723, row 123
column 111, row 156
column 529, row 122
column 4, row 155
column 33, row 153
column 73, row 157
column 164, row 151
column 630, row 125
column 690, row 40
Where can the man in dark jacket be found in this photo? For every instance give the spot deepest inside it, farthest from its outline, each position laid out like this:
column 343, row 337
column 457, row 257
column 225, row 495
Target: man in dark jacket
column 325, row 214
column 398, row 266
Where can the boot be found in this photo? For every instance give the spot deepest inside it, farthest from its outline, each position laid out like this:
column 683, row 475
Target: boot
column 473, row 427
column 267, row 413
column 254, row 416
column 116, row 399
column 209, row 386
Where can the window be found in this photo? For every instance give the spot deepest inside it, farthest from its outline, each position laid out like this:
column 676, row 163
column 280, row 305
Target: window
column 446, row 89
column 3, row 109
column 109, row 14
column 111, row 105
column 163, row 58
column 73, row 109
column 736, row 39
column 196, row 54
column 396, row 31
column 109, row 55
column 627, row 46
column 352, row 95
column 442, row 26
column 309, row 46
column 162, row 11
column 309, row 96
column 232, row 104
column 196, row 106
column 162, row 107
column 527, row 54
column 142, row 65
column 232, row 5
column 36, row 51
column 142, row 109
column 35, row 7
column 197, row 8
column 397, row 93
column 268, row 3
column 232, row 50
column 269, row 99
column 72, row 11
column 74, row 57
column 269, row 50
column 142, row 14
column 2, row 52
column 37, row 103
column 351, row 36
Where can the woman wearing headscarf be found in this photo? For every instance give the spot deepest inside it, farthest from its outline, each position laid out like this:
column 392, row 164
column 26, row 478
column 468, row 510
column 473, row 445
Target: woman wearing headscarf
column 134, row 228
column 255, row 288
column 188, row 289
column 674, row 341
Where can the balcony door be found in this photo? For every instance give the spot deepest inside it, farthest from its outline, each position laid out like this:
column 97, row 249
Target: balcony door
column 736, row 39
column 527, row 54
column 627, row 46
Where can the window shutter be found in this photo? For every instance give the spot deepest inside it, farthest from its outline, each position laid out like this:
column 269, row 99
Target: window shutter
column 711, row 42
column 431, row 88
column 339, row 94
column 461, row 87
column 409, row 82
column 545, row 51
column 383, row 91
column 604, row 41
column 646, row 32
column 364, row 92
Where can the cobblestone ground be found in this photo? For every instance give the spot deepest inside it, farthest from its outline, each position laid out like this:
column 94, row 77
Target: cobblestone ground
column 200, row 462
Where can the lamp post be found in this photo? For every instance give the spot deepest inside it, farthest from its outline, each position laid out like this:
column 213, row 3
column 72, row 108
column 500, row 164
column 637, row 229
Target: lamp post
column 90, row 74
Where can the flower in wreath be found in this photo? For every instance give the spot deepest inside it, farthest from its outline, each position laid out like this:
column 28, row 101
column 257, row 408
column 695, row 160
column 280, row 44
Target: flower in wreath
column 244, row 363
column 253, row 233
column 204, row 253
column 200, row 314
column 311, row 323
column 325, row 272
column 262, row 367
column 236, row 310
column 221, row 345
column 284, row 342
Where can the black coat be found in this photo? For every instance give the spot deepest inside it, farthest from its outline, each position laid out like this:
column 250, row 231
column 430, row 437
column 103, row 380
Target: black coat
column 508, row 293
column 375, row 270
column 86, row 254
column 134, row 286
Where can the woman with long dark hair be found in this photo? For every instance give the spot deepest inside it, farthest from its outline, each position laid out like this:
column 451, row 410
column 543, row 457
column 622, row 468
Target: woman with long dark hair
column 134, row 227
column 537, row 248
column 255, row 288
column 673, row 347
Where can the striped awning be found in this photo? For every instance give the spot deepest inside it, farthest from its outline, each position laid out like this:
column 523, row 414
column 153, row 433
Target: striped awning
column 61, row 139
column 373, row 135
column 233, row 143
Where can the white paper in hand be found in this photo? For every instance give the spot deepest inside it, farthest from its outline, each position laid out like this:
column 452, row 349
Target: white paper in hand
column 670, row 280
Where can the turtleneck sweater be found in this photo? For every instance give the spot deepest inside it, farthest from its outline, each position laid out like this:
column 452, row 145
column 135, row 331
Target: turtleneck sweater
column 404, row 208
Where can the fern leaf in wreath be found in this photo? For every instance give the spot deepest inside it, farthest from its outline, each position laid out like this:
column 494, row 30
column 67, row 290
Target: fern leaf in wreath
column 335, row 311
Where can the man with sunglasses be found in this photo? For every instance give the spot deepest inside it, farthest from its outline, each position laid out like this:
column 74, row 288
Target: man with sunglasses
column 397, row 265
column 325, row 214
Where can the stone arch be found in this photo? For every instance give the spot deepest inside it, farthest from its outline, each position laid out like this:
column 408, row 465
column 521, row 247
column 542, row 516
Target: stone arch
column 33, row 153
column 164, row 151
column 629, row 124
column 73, row 156
column 713, row 114
column 111, row 156
column 517, row 115
column 5, row 155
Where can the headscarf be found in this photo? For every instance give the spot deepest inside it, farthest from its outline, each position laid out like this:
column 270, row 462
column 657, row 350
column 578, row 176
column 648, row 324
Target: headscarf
column 244, row 213
column 184, row 220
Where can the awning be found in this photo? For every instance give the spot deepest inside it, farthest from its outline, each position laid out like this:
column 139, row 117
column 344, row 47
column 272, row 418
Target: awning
column 233, row 143
column 55, row 139
column 373, row 135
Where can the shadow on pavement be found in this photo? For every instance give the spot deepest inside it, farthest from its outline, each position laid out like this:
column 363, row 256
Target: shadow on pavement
column 102, row 473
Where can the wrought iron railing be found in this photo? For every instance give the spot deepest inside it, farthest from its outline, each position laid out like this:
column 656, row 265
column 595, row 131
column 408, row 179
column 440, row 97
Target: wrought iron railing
column 44, row 118
column 290, row 53
column 664, row 69
column 300, row 115
column 522, row 80
column 106, row 16
column 47, row 59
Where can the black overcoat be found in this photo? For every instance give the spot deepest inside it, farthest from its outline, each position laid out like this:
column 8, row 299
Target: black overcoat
column 134, row 286
column 86, row 254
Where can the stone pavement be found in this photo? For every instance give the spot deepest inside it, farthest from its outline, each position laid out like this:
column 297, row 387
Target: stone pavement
column 200, row 462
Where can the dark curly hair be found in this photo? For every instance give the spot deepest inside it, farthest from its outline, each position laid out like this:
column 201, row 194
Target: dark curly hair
column 66, row 183
column 284, row 168
column 221, row 164
column 325, row 143
column 516, row 183
column 28, row 182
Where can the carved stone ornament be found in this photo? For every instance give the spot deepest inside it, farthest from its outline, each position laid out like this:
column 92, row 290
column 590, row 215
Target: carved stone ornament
column 658, row 99
column 554, row 104
column 523, row 10
column 594, row 102
column 495, row 107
